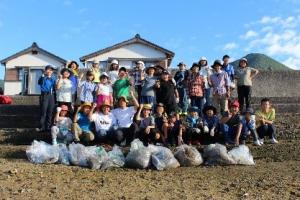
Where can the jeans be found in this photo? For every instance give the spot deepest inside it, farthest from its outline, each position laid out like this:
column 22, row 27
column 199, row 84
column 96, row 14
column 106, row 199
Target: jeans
column 138, row 89
column 104, row 135
column 207, row 92
column 65, row 137
column 244, row 95
column 197, row 102
column 266, row 130
column 221, row 103
column 47, row 104
column 183, row 99
column 121, row 134
column 245, row 134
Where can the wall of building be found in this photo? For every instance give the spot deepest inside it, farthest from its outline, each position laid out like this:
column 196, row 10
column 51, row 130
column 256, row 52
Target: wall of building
column 12, row 87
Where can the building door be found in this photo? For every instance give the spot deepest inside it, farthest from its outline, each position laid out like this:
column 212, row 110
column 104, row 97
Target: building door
column 33, row 87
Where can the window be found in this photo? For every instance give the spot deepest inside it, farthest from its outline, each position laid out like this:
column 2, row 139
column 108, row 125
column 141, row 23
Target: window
column 103, row 65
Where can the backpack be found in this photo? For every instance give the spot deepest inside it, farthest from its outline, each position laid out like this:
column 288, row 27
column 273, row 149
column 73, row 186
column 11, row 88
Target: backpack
column 5, row 99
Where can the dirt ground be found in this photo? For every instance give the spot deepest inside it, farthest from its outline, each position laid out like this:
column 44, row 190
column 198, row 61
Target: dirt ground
column 276, row 175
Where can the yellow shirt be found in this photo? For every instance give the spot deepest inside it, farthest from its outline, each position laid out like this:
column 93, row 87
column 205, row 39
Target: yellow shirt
column 97, row 74
column 270, row 116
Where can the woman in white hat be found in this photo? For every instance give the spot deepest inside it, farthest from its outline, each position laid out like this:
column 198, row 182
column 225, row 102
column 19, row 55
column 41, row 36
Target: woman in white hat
column 113, row 71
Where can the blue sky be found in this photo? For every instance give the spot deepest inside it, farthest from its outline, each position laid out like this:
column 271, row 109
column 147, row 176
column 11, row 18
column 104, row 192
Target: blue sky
column 211, row 28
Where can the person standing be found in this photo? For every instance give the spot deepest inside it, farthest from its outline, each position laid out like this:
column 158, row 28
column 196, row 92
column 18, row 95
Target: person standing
column 205, row 72
column 148, row 93
column 181, row 77
column 166, row 93
column 73, row 66
column 96, row 72
column 196, row 87
column 221, row 87
column 47, row 99
column 64, row 89
column 138, row 76
column 228, row 68
column 113, row 71
column 244, row 76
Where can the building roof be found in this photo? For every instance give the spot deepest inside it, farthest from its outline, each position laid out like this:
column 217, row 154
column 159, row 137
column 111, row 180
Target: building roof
column 33, row 48
column 136, row 39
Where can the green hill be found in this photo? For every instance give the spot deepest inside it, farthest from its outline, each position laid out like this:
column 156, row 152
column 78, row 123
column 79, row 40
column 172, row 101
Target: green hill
column 263, row 62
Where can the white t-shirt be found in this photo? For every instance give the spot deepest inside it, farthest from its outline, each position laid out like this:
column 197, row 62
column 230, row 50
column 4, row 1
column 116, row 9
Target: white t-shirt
column 104, row 89
column 113, row 76
column 124, row 116
column 206, row 72
column 103, row 122
column 64, row 93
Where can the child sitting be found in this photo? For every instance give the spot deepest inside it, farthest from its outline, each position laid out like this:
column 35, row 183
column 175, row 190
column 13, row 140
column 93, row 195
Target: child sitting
column 82, row 123
column 104, row 91
column 193, row 127
column 88, row 88
column 145, row 125
column 211, row 123
column 172, row 131
column 231, row 125
column 265, row 121
column 62, row 126
column 249, row 127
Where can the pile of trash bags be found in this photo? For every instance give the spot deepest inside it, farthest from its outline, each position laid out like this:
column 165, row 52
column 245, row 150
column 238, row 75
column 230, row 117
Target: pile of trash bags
column 138, row 157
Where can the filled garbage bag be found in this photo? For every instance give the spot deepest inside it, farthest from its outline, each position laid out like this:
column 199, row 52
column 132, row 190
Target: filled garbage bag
column 42, row 152
column 188, row 156
column 216, row 154
column 64, row 154
column 91, row 156
column 163, row 158
column 116, row 158
column 242, row 155
column 139, row 156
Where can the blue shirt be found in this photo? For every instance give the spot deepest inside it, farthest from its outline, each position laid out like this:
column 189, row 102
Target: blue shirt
column 88, row 90
column 74, row 80
column 83, row 122
column 47, row 84
column 210, row 122
column 248, row 126
column 193, row 122
column 229, row 70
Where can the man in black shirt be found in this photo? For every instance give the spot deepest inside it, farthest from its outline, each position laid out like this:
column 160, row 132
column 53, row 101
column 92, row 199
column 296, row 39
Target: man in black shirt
column 166, row 93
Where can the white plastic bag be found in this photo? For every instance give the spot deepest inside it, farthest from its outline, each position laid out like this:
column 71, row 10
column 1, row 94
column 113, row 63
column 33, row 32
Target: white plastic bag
column 163, row 158
column 188, row 156
column 77, row 155
column 96, row 156
column 216, row 154
column 139, row 156
column 42, row 152
column 64, row 154
column 116, row 158
column 242, row 155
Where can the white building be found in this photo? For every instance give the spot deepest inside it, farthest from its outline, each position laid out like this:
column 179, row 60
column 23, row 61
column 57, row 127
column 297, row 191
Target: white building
column 130, row 51
column 23, row 69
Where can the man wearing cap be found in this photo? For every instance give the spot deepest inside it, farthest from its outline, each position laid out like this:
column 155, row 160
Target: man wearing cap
column 232, row 125
column 166, row 92
column 244, row 76
column 113, row 71
column 228, row 68
column 220, row 83
column 138, row 76
column 124, row 117
column 96, row 71
column 181, row 77
column 47, row 84
column 205, row 72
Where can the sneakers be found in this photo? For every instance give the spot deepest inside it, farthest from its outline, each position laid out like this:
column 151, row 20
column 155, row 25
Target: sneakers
column 261, row 141
column 257, row 143
column 273, row 141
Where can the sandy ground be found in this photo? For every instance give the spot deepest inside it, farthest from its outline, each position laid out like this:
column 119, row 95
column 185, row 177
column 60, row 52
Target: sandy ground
column 276, row 175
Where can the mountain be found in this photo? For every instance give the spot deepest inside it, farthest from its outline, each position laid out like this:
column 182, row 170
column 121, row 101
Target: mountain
column 263, row 62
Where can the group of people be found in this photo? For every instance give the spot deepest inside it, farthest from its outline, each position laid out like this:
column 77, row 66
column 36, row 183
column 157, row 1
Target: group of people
column 193, row 106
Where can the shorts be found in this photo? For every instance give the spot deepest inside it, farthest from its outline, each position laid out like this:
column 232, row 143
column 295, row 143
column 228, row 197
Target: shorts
column 102, row 98
column 146, row 100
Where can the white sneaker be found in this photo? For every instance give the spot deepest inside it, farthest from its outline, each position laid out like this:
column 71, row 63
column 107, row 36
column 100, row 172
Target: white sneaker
column 273, row 141
column 261, row 141
column 257, row 143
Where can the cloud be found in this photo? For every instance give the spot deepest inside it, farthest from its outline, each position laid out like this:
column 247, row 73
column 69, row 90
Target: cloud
column 275, row 36
column 230, row 46
column 67, row 2
column 249, row 34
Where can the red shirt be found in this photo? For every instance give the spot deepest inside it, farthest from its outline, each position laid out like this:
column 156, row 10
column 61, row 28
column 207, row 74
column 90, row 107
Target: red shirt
column 196, row 85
